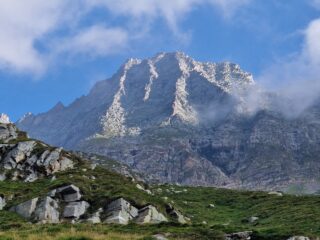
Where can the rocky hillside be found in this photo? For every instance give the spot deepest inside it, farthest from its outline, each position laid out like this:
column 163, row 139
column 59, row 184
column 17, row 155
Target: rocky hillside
column 24, row 160
column 183, row 121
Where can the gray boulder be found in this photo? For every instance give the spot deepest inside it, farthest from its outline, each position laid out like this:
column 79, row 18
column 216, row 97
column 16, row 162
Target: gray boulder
column 40, row 210
column 70, row 193
column 95, row 217
column 120, row 211
column 75, row 210
column 47, row 211
column 2, row 202
column 26, row 209
column 253, row 219
column 171, row 211
column 276, row 193
column 150, row 214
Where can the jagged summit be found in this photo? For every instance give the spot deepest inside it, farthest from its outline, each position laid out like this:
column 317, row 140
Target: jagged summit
column 164, row 89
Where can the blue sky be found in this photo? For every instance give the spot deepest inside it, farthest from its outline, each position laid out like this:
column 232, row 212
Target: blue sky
column 56, row 50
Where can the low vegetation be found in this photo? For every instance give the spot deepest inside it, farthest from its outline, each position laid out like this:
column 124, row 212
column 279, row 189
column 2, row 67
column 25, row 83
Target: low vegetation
column 212, row 211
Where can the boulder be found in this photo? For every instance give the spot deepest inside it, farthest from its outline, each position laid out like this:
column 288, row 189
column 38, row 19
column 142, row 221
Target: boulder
column 26, row 209
column 171, row 211
column 40, row 210
column 70, row 193
column 239, row 236
column 253, row 219
column 75, row 210
column 120, row 211
column 150, row 214
column 95, row 217
column 276, row 193
column 47, row 211
column 2, row 202
column 65, row 163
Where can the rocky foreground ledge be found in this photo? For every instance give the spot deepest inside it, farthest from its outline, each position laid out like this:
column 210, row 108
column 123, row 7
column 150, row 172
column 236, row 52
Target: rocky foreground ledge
column 66, row 204
column 26, row 160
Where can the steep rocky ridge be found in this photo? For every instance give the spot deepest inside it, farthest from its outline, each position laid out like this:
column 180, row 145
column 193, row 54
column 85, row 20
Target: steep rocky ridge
column 183, row 121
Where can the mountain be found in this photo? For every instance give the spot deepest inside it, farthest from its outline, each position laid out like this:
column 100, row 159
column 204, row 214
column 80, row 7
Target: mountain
column 178, row 120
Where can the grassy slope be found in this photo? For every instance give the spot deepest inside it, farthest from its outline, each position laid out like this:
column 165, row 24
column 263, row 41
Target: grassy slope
column 280, row 217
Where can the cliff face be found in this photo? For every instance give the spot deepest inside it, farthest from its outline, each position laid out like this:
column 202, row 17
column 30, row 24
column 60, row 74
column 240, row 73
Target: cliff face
column 179, row 120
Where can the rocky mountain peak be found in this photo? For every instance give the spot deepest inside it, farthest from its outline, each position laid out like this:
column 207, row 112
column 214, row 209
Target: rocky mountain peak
column 4, row 118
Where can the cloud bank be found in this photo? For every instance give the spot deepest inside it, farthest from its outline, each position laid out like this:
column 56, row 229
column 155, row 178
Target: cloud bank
column 297, row 77
column 35, row 32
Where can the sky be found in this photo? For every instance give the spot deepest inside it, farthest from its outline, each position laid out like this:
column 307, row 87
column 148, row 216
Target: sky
column 56, row 50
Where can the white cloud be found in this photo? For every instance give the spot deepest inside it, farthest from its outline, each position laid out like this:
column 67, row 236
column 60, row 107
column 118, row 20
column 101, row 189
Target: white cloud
column 312, row 43
column 229, row 7
column 24, row 25
column 171, row 10
column 298, row 77
column 95, row 41
column 20, row 24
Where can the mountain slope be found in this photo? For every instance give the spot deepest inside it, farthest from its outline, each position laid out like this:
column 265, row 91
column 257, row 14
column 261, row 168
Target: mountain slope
column 183, row 121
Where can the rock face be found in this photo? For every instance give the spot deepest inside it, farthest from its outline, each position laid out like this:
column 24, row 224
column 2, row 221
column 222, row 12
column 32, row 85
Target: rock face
column 8, row 132
column 188, row 122
column 27, row 159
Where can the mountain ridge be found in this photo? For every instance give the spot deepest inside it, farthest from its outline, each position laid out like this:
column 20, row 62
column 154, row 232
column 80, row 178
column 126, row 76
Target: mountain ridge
column 187, row 122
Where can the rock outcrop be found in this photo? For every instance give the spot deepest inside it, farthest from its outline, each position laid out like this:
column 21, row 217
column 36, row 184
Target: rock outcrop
column 4, row 118
column 27, row 160
column 66, row 204
column 59, row 204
